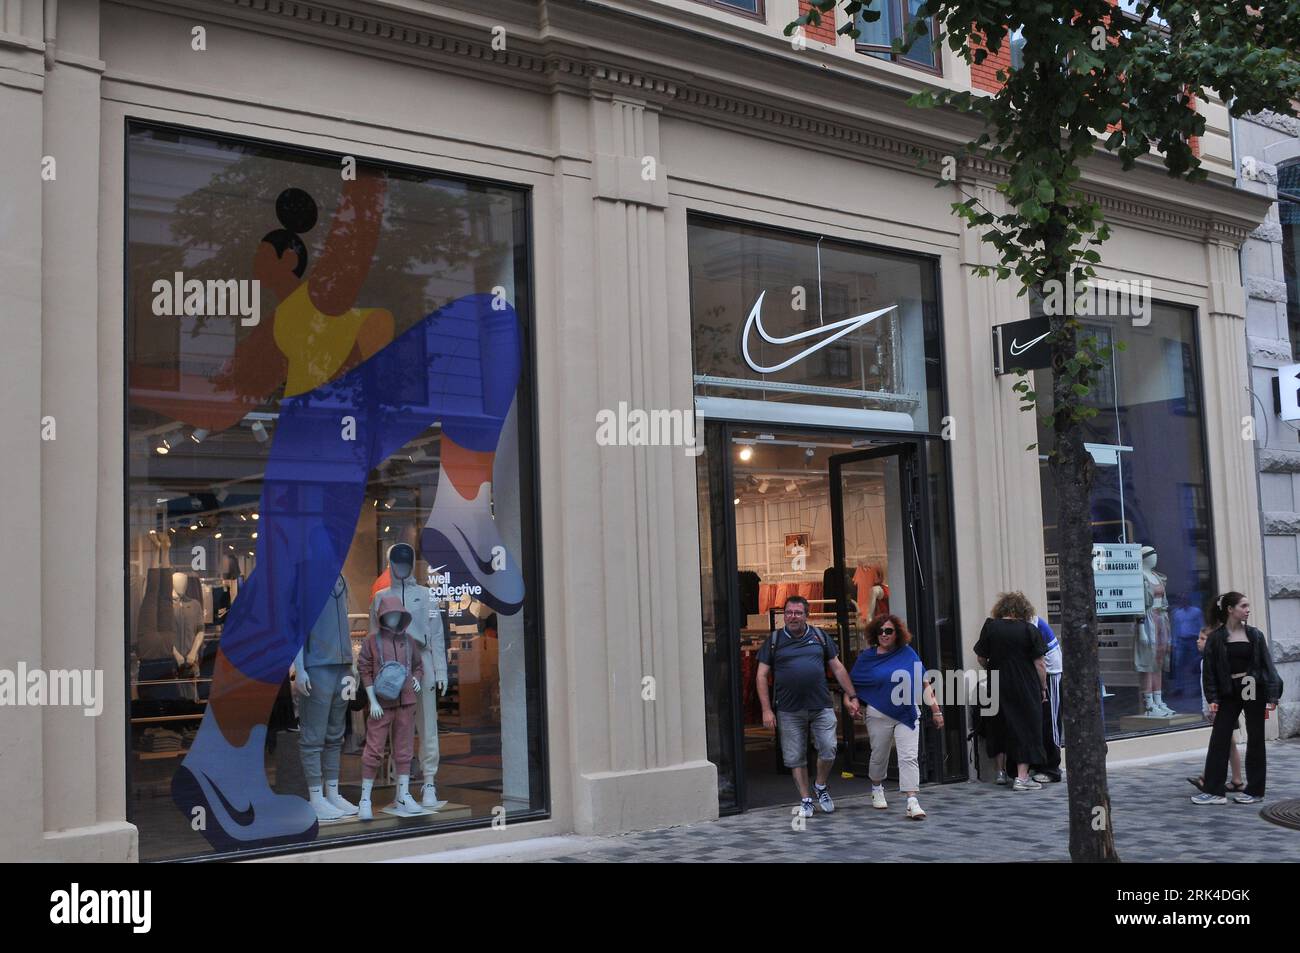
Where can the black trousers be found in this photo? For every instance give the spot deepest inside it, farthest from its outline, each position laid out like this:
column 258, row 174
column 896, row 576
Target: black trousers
column 1225, row 722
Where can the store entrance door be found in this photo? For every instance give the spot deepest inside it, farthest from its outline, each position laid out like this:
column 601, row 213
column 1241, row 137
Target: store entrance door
column 833, row 516
column 877, row 539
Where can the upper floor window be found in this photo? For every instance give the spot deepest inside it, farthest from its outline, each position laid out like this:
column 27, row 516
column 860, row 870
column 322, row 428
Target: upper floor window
column 877, row 38
column 1137, row 9
column 752, row 7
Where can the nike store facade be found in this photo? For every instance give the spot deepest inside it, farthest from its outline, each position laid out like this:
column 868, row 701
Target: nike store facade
column 319, row 315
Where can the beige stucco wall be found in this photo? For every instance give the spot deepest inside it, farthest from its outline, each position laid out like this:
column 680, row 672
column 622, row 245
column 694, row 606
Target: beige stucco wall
column 572, row 121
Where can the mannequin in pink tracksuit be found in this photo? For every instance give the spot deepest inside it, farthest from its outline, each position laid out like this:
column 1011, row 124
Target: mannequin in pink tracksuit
column 390, row 643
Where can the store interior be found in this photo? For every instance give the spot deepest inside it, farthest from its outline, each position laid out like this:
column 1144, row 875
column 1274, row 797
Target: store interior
column 192, row 545
column 784, row 547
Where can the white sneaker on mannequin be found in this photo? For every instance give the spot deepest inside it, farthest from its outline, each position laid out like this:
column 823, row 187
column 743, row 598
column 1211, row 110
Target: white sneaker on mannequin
column 325, row 811
column 429, row 798
column 338, row 800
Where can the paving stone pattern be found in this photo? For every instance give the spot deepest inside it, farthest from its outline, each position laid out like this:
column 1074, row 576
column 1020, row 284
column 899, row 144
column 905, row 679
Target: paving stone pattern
column 980, row 822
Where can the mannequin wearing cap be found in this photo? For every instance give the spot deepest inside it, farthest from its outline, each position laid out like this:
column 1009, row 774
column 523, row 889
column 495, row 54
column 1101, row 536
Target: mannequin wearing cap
column 187, row 616
column 426, row 631
column 1151, row 646
column 322, row 665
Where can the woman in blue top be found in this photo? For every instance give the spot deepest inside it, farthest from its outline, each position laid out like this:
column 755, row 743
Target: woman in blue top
column 889, row 679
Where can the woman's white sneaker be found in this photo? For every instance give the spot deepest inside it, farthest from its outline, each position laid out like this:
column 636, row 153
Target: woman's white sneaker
column 914, row 811
column 878, row 798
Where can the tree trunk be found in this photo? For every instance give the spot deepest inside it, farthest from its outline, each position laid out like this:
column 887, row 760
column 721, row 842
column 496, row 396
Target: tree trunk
column 1091, row 822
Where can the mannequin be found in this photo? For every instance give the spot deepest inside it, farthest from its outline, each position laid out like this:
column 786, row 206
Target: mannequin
column 426, row 631
column 323, row 662
column 873, row 594
column 390, row 643
column 1151, row 644
column 187, row 619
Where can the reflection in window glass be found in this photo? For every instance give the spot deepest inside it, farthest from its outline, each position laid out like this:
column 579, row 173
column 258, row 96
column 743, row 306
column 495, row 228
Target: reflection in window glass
column 784, row 317
column 1150, row 489
column 326, row 506
column 877, row 37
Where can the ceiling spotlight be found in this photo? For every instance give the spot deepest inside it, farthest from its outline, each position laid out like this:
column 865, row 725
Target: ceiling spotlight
column 254, row 516
column 791, row 487
column 216, row 535
column 746, row 453
column 388, row 529
column 199, row 435
column 243, row 517
column 194, row 526
column 163, row 446
column 736, row 501
column 762, row 487
column 254, row 535
column 259, row 432
column 230, row 546
column 809, row 452
column 222, row 494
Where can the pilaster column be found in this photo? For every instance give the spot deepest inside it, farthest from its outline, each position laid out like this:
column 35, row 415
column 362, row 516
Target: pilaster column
column 640, row 760
column 995, row 479
column 1234, row 498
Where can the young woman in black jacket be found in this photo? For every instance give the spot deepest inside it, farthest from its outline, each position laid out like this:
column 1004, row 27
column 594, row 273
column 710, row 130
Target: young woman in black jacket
column 1237, row 675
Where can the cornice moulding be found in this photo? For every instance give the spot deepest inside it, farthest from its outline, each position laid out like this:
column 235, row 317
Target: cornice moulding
column 859, row 111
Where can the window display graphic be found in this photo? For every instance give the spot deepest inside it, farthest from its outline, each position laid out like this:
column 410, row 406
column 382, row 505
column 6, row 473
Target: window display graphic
column 338, row 418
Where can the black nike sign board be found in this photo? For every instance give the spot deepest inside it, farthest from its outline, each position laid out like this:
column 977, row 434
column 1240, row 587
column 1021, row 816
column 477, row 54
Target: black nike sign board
column 1022, row 345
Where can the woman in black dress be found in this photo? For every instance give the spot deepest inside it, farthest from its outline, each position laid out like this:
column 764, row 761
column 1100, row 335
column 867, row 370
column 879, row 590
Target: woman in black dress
column 1012, row 651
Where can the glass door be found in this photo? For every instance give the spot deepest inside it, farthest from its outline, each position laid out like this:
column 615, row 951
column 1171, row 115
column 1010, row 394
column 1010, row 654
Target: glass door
column 879, row 542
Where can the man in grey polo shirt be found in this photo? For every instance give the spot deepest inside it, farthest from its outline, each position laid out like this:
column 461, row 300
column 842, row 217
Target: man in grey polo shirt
column 800, row 653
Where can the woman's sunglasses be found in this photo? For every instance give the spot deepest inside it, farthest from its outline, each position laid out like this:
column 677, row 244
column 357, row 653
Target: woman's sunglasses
column 889, row 631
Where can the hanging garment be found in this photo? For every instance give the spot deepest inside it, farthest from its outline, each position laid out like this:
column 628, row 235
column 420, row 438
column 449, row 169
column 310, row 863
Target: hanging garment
column 749, row 586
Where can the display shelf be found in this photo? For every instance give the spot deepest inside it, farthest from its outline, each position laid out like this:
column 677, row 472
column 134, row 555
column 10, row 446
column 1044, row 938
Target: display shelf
column 161, row 755
column 156, row 719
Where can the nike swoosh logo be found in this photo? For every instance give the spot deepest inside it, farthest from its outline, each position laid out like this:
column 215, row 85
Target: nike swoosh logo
column 839, row 329
column 1018, row 349
column 485, row 566
column 242, row 818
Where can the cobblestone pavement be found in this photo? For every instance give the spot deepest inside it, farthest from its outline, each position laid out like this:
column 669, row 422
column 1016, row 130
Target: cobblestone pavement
column 1154, row 822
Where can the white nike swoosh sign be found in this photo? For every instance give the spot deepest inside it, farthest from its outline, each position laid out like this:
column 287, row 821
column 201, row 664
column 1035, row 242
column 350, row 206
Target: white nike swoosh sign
column 829, row 333
column 1018, row 349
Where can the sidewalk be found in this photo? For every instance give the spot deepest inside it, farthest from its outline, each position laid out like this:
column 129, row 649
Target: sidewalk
column 1154, row 822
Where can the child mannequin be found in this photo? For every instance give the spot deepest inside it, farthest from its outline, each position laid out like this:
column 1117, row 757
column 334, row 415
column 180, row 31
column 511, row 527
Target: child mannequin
column 390, row 643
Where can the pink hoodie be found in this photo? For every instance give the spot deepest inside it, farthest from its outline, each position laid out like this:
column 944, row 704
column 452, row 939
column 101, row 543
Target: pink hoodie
column 396, row 646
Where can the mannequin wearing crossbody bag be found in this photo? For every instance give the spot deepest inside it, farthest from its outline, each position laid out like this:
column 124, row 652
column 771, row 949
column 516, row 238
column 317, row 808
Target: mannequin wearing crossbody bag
column 388, row 647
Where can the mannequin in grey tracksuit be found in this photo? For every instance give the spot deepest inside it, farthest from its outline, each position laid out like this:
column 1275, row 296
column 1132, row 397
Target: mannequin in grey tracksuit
column 427, row 631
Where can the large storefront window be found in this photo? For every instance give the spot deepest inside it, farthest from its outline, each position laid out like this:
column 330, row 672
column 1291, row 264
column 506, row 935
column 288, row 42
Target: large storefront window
column 823, row 476
column 1150, row 492
column 329, row 508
